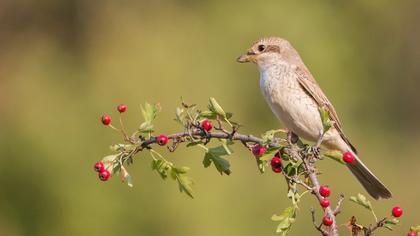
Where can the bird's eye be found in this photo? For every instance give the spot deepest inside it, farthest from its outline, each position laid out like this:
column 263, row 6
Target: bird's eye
column 261, row 47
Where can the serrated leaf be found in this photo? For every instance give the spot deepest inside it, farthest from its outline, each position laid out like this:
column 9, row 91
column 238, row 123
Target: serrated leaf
column 214, row 155
column 216, row 108
column 149, row 112
column 212, row 115
column 220, row 150
column 162, row 167
column 184, row 182
column 286, row 219
column 362, row 201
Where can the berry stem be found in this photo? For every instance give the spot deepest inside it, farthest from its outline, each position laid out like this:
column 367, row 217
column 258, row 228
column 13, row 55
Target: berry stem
column 124, row 133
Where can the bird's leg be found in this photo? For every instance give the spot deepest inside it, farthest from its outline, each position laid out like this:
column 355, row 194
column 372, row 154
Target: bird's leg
column 292, row 138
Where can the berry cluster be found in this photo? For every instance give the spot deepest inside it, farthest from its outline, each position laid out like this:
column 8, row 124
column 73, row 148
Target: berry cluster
column 106, row 119
column 325, row 192
column 276, row 163
column 104, row 174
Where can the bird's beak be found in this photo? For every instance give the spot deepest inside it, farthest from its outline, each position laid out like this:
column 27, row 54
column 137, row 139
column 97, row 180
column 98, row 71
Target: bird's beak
column 248, row 57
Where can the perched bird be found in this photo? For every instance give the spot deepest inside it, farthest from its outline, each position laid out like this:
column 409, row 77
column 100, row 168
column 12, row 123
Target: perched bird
column 295, row 98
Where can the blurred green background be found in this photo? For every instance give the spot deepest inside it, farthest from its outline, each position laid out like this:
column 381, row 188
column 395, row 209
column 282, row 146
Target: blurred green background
column 65, row 63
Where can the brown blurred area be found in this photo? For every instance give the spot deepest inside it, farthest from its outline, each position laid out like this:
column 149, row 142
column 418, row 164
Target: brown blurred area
column 65, row 63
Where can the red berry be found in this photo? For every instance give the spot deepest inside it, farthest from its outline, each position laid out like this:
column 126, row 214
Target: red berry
column 348, row 157
column 99, row 166
column 276, row 169
column 206, row 125
column 412, row 233
column 122, row 108
column 275, row 161
column 106, row 120
column 324, row 191
column 325, row 203
column 327, row 221
column 397, row 211
column 258, row 150
column 104, row 175
column 162, row 140
column 276, row 164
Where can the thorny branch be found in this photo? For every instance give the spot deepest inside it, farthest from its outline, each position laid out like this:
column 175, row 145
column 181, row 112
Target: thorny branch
column 296, row 153
column 303, row 171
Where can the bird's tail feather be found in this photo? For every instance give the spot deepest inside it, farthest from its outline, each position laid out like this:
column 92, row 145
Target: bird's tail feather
column 369, row 181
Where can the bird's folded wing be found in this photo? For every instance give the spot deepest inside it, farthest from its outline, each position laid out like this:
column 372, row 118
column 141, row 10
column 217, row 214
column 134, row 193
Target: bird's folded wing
column 307, row 81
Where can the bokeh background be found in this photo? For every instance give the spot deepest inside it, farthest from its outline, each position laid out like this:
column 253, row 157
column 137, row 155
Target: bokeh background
column 65, row 63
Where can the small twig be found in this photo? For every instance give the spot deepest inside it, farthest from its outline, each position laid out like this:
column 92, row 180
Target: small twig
column 318, row 227
column 369, row 231
column 337, row 209
column 298, row 181
column 295, row 153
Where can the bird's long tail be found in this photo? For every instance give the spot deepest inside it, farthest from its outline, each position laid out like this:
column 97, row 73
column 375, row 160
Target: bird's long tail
column 369, row 181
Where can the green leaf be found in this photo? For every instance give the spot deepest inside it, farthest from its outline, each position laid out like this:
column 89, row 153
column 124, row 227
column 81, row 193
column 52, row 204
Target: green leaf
column 149, row 113
column 184, row 182
column 261, row 165
column 393, row 221
column 214, row 155
column 334, row 155
column 290, row 169
column 212, row 115
column 268, row 135
column 146, row 127
column 325, row 118
column 162, row 167
column 285, row 219
column 180, row 117
column 220, row 150
column 362, row 201
column 415, row 228
column 122, row 147
column 216, row 108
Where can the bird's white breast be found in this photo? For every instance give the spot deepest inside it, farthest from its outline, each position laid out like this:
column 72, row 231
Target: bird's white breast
column 289, row 102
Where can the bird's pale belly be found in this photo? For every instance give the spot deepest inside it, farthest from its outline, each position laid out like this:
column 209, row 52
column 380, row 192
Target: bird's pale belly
column 295, row 108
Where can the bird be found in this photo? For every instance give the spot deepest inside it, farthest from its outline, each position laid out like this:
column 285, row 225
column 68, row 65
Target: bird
column 295, row 98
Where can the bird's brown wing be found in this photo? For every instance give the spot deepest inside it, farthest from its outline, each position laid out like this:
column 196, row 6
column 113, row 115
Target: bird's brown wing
column 307, row 81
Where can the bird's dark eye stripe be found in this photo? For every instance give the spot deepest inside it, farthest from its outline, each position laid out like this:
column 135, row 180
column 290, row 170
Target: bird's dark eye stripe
column 272, row 48
column 261, row 47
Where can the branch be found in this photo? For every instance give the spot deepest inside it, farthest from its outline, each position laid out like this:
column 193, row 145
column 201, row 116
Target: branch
column 294, row 152
column 369, row 231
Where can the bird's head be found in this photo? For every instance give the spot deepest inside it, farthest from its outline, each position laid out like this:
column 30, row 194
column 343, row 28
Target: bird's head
column 269, row 51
